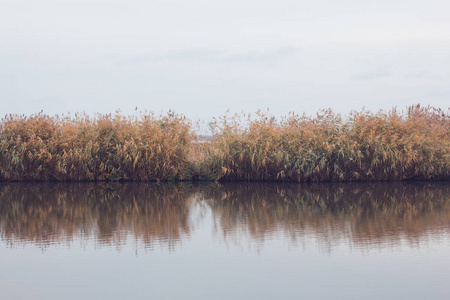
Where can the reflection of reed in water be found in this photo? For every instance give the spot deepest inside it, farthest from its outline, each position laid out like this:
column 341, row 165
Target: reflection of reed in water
column 361, row 215
column 45, row 213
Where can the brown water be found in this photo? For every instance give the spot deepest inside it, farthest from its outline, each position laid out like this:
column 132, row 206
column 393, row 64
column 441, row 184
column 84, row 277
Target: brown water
column 229, row 241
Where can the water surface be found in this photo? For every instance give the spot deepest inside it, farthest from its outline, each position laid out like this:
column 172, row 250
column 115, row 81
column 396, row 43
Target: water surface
column 224, row 241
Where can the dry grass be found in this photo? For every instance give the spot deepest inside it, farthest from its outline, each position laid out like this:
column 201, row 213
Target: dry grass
column 365, row 146
column 393, row 145
column 106, row 147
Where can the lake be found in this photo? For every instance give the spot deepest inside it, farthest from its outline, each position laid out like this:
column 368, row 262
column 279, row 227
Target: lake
column 225, row 241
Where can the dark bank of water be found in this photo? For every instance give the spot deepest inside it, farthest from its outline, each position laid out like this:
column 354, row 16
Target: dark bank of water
column 224, row 241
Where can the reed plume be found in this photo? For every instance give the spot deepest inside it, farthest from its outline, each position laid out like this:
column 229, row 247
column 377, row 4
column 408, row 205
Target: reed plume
column 106, row 147
column 363, row 146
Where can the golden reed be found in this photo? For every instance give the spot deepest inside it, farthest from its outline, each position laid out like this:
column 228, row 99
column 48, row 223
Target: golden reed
column 363, row 146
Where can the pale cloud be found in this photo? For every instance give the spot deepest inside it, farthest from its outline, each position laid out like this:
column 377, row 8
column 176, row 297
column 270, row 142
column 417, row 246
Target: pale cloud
column 203, row 57
column 212, row 55
column 371, row 75
column 394, row 33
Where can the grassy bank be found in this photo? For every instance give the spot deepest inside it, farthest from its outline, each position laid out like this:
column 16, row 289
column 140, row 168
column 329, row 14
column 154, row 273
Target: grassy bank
column 394, row 145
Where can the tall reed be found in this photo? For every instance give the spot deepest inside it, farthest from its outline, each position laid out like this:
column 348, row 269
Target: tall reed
column 106, row 147
column 365, row 146
column 414, row 144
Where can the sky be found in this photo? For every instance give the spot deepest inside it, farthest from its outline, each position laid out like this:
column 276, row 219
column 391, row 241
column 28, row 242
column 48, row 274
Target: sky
column 203, row 57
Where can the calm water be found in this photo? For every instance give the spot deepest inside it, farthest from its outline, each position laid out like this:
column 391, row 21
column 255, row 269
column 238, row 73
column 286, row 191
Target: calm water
column 229, row 241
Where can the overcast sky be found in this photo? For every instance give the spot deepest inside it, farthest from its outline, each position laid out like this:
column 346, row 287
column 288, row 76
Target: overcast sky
column 202, row 57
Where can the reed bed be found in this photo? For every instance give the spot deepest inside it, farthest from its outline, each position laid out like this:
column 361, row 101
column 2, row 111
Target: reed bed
column 106, row 147
column 363, row 146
